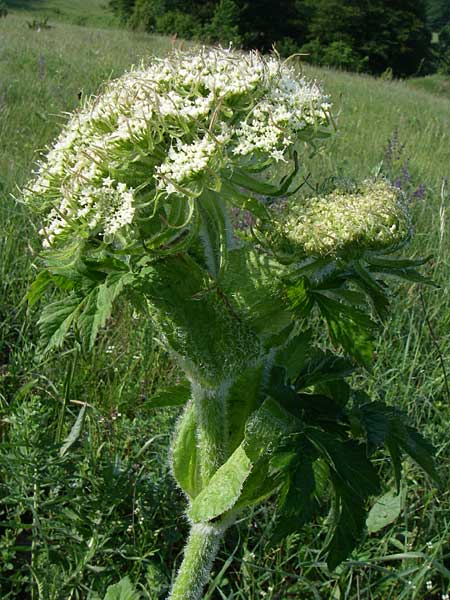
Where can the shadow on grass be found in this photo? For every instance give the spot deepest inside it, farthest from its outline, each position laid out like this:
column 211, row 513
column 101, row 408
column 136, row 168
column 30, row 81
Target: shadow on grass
column 24, row 4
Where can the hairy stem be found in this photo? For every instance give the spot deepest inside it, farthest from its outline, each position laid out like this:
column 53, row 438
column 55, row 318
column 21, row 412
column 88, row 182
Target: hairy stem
column 212, row 428
column 199, row 554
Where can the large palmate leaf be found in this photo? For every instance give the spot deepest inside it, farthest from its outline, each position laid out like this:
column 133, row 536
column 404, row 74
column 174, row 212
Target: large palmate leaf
column 85, row 311
column 349, row 327
column 321, row 374
column 354, row 480
column 386, row 425
column 99, row 305
column 56, row 320
column 375, row 289
column 300, row 300
column 323, row 367
column 399, row 267
column 298, row 501
column 295, row 353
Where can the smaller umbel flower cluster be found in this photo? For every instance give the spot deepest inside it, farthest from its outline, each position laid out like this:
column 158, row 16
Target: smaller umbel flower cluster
column 170, row 130
column 374, row 218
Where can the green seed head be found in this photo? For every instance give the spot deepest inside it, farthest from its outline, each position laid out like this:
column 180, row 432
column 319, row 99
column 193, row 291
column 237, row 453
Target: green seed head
column 374, row 218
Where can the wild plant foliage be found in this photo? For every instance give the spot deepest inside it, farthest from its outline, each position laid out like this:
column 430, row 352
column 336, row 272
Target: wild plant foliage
column 268, row 322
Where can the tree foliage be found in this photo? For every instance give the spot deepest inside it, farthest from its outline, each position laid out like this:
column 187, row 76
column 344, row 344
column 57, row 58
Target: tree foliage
column 356, row 35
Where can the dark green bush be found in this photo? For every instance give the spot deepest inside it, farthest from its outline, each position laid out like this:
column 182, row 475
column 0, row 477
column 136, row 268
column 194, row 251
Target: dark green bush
column 176, row 22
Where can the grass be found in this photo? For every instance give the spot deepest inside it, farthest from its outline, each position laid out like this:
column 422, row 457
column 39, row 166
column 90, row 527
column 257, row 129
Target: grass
column 94, row 13
column 438, row 84
column 79, row 522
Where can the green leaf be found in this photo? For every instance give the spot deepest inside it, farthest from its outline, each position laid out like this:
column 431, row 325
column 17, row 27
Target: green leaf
column 375, row 290
column 348, row 460
column 98, row 306
column 74, row 432
column 295, row 354
column 38, row 288
column 281, row 391
column 251, row 281
column 384, row 512
column 215, row 232
column 124, row 590
column 243, row 400
column 387, row 425
column 258, row 186
column 224, row 488
column 317, row 269
column 421, row 451
column 244, row 202
column 348, row 524
column 172, row 395
column 402, row 268
column 349, row 327
column 258, row 486
column 338, row 389
column 354, row 479
column 267, row 428
column 408, row 274
column 395, row 262
column 57, row 319
column 300, row 300
column 86, row 310
column 298, row 502
column 319, row 408
column 185, row 460
column 323, row 367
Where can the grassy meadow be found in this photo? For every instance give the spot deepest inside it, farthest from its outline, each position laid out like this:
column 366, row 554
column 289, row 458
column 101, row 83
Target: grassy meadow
column 77, row 517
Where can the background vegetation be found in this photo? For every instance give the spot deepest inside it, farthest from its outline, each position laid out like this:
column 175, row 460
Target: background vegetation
column 85, row 493
column 404, row 37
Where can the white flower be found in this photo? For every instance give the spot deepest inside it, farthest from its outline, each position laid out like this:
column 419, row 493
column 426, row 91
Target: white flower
column 159, row 127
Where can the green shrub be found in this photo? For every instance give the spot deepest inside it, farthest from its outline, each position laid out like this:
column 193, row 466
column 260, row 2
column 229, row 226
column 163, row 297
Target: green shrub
column 176, row 22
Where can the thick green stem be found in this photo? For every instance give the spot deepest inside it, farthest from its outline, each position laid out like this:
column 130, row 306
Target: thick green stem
column 199, row 554
column 212, row 427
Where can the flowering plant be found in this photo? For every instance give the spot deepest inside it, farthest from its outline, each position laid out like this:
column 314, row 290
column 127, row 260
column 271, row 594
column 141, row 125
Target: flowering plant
column 137, row 197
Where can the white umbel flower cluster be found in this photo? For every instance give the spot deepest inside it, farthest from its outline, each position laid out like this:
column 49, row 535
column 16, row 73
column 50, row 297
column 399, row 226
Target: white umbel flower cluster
column 163, row 130
column 374, row 218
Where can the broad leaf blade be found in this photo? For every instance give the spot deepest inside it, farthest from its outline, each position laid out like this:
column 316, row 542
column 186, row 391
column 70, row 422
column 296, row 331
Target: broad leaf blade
column 349, row 327
column 124, row 590
column 384, row 512
column 57, row 319
column 223, row 489
column 299, row 500
column 354, row 479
